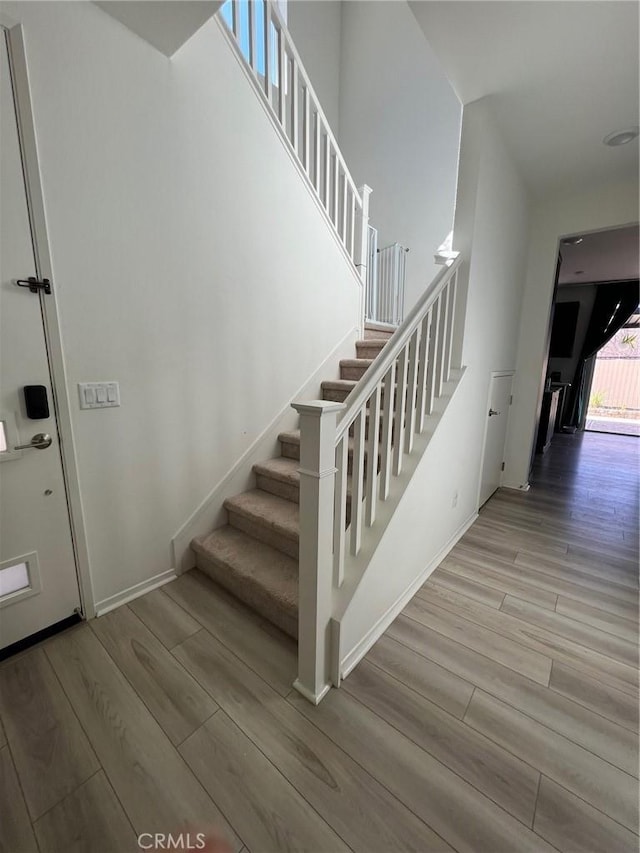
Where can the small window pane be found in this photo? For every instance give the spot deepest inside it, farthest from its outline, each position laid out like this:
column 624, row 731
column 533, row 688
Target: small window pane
column 13, row 579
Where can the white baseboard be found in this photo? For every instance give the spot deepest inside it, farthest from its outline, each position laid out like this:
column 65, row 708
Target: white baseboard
column 134, row 591
column 517, row 487
column 211, row 514
column 314, row 698
column 352, row 658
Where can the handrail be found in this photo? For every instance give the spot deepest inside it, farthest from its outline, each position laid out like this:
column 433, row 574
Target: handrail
column 367, row 385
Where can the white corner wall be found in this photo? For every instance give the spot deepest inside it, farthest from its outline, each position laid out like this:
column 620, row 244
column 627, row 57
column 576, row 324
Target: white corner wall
column 492, row 223
column 399, row 131
column 601, row 207
column 190, row 264
column 316, row 28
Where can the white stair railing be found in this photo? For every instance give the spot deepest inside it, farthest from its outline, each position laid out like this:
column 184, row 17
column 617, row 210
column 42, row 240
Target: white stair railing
column 261, row 39
column 384, row 413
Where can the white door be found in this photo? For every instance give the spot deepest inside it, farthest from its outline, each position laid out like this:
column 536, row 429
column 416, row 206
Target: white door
column 496, row 433
column 38, row 582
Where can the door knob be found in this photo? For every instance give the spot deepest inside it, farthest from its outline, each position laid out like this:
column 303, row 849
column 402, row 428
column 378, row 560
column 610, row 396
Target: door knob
column 493, row 412
column 40, row 441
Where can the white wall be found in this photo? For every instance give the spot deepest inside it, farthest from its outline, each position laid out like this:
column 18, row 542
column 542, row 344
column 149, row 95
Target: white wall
column 598, row 208
column 180, row 234
column 492, row 222
column 399, row 131
column 316, row 28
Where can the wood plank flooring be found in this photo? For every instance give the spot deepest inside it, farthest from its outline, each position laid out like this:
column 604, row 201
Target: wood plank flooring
column 498, row 714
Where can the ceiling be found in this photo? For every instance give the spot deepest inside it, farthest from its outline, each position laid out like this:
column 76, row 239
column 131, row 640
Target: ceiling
column 602, row 256
column 561, row 75
column 165, row 24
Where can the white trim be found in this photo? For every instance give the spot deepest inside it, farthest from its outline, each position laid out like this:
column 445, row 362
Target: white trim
column 522, row 487
column 134, row 591
column 314, row 698
column 352, row 658
column 210, row 514
column 50, row 309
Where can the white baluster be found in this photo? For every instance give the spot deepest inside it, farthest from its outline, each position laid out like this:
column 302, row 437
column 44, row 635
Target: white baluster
column 316, row 154
column 386, row 454
column 295, row 109
column 306, row 138
column 268, row 52
column 327, row 173
column 422, row 370
column 372, row 455
column 362, row 226
column 317, row 480
column 357, row 482
column 345, row 189
column 352, row 227
column 442, row 335
column 340, row 509
column 412, row 392
column 401, row 397
column 282, row 80
column 235, row 17
column 431, row 360
column 336, row 192
column 450, row 331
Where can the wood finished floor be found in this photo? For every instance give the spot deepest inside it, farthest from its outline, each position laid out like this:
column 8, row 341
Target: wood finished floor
column 499, row 712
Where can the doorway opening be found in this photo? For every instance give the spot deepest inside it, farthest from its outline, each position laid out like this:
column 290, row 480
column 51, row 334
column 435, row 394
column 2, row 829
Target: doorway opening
column 614, row 397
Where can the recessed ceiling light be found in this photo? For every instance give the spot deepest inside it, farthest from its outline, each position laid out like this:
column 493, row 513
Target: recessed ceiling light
column 621, row 137
column 571, row 241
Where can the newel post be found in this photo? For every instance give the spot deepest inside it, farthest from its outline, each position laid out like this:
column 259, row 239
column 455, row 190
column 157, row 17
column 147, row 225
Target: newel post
column 362, row 247
column 315, row 574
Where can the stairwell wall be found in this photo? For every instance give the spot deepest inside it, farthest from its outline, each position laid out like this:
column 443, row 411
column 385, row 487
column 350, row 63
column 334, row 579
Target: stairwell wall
column 190, row 264
column 400, row 125
column 492, row 229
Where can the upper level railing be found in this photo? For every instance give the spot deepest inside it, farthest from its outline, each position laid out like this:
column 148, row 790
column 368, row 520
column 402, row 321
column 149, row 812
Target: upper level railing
column 347, row 467
column 261, row 38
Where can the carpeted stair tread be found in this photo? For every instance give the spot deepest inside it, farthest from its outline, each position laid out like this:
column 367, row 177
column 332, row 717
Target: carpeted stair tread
column 282, row 469
column 369, row 349
column 264, row 578
column 267, row 510
column 354, row 368
column 337, row 389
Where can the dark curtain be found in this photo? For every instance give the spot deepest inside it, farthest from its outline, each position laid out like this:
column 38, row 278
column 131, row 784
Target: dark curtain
column 615, row 302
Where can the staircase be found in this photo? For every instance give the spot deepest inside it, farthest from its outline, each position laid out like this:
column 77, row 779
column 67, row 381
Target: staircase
column 255, row 555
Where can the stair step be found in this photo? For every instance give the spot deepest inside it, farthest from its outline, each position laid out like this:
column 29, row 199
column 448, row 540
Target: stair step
column 373, row 331
column 261, row 576
column 268, row 518
column 370, row 348
column 337, row 390
column 290, row 441
column 354, row 368
column 279, row 477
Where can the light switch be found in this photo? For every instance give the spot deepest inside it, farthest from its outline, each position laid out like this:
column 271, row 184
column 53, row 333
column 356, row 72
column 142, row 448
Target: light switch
column 98, row 395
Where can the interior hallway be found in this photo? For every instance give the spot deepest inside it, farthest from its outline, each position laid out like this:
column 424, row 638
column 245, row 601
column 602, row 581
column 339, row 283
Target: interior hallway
column 498, row 713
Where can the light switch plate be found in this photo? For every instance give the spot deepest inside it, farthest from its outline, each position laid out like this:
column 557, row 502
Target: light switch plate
column 91, row 392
